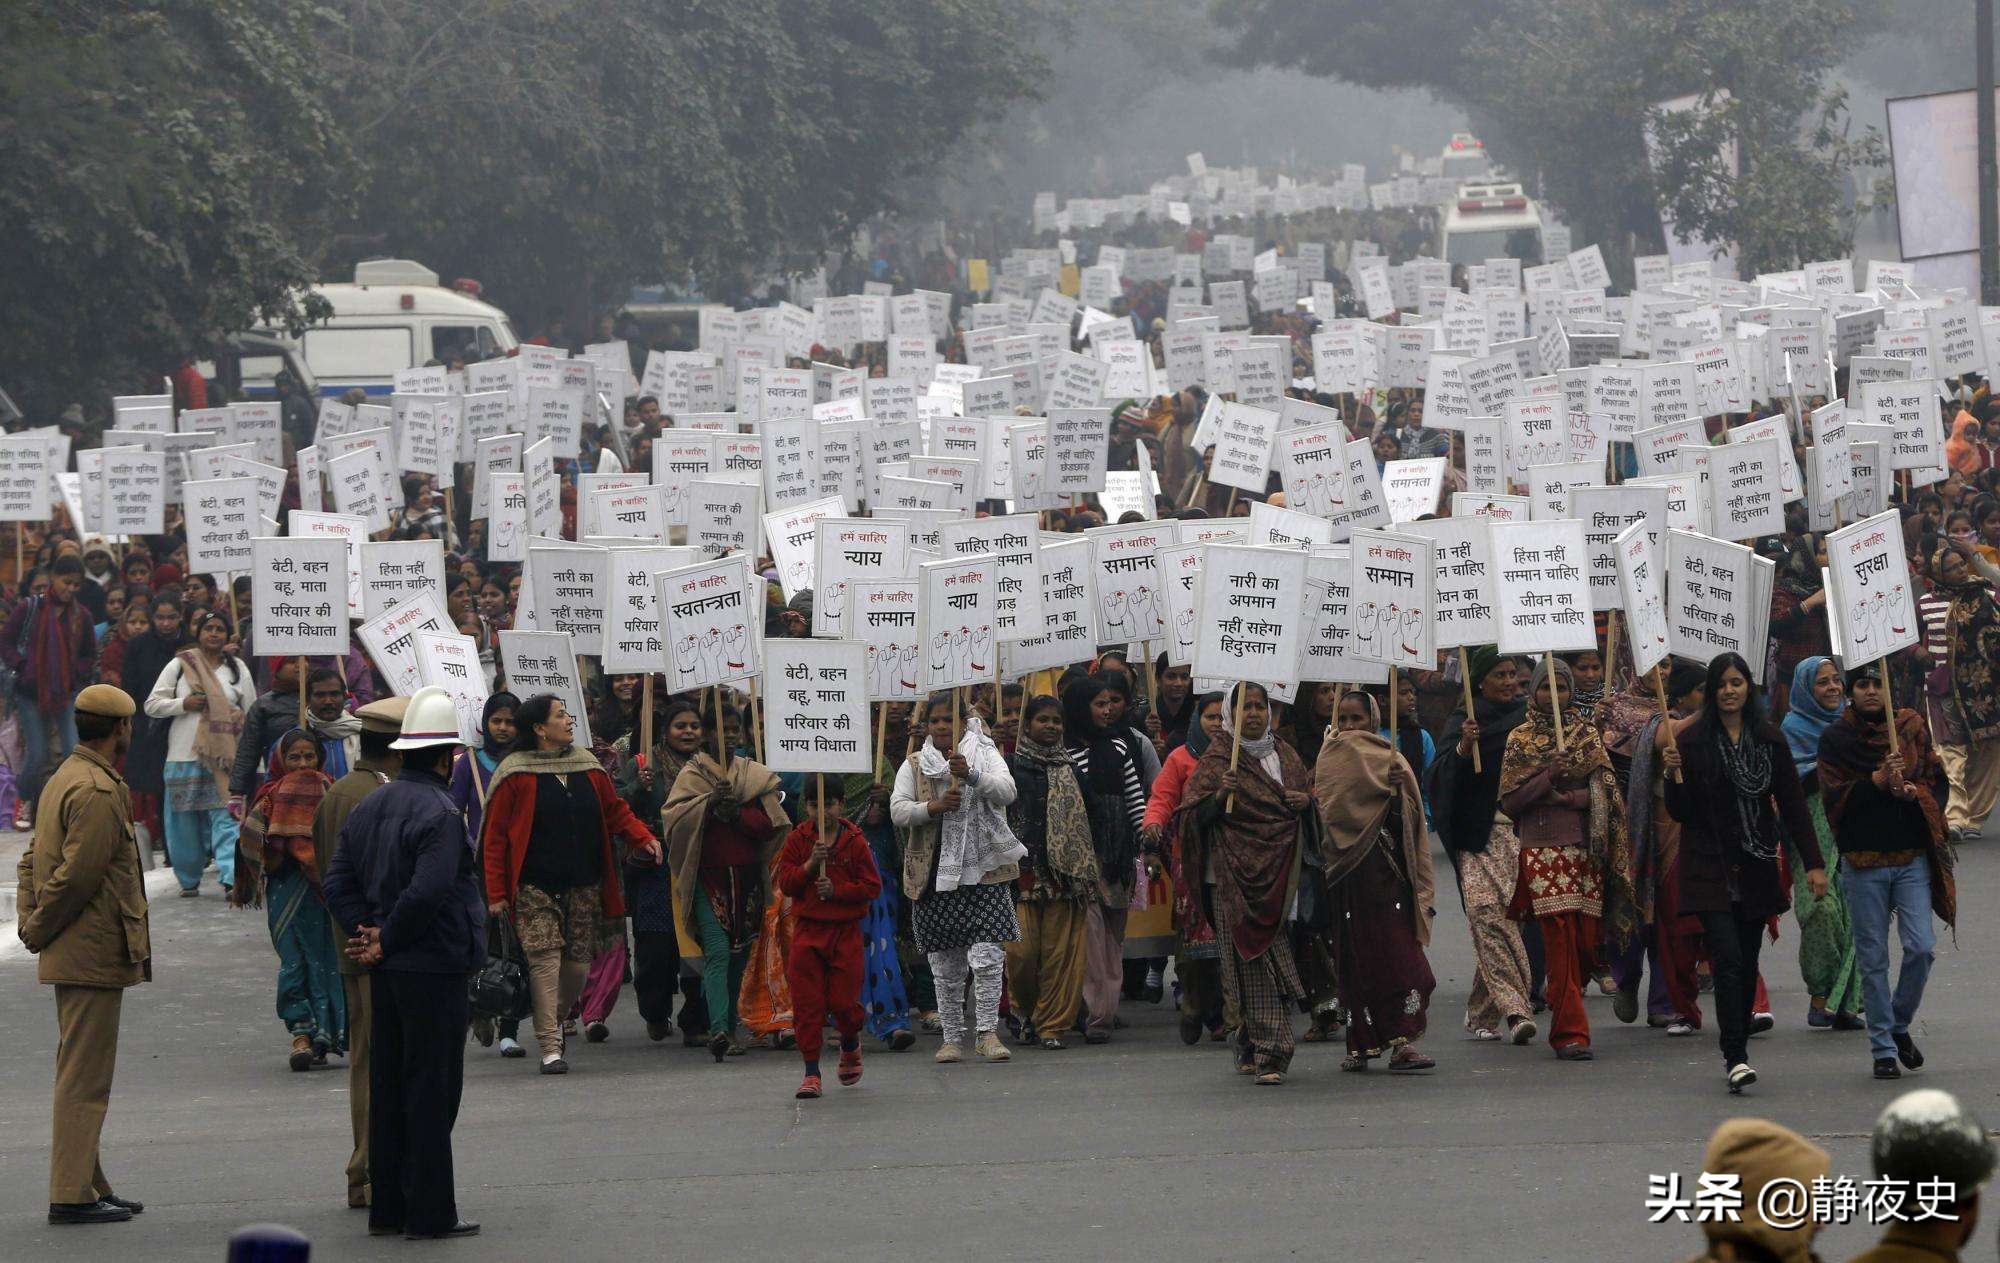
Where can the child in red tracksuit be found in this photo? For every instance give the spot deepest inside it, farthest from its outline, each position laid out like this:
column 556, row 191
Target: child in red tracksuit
column 831, row 888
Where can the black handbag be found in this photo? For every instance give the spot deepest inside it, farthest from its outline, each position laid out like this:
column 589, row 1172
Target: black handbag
column 499, row 988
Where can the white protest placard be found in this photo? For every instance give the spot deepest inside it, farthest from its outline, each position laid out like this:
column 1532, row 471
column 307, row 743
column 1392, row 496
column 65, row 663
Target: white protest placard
column 350, row 530
column 1127, row 579
column 221, row 517
column 1079, row 441
column 1411, row 487
column 299, row 596
column 537, row 662
column 25, row 479
column 1912, row 409
column 1641, row 594
column 498, row 454
column 630, row 512
column 1365, row 505
column 1180, row 583
column 632, row 641
column 1542, row 587
column 1013, row 544
column 790, row 461
column 1871, row 592
column 151, row 414
column 1605, row 513
column 1537, row 433
column 270, row 482
column 134, row 491
column 789, row 533
column 1242, row 454
column 1255, row 614
column 1312, row 468
column 1747, row 490
column 391, row 644
column 1393, row 599
column 1328, row 635
column 1710, row 599
column 451, row 662
column 848, row 551
column 357, row 487
column 1069, row 608
column 1549, row 486
column 312, row 480
column 394, row 572
column 1464, row 584
column 710, row 616
column 725, row 517
column 1791, row 482
column 507, row 518
column 884, row 615
column 959, row 641
column 1274, row 526
column 570, row 585
column 555, row 414
column 816, row 706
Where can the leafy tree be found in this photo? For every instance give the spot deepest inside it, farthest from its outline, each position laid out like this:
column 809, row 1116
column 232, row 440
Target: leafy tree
column 1565, row 92
column 564, row 150
column 169, row 171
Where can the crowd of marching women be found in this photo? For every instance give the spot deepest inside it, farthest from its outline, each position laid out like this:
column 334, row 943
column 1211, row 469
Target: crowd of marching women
column 1027, row 856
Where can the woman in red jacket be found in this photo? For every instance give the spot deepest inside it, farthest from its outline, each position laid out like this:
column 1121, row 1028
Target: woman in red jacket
column 831, row 885
column 546, row 844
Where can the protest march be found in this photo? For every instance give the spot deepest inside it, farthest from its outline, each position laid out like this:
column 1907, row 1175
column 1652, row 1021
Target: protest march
column 1192, row 603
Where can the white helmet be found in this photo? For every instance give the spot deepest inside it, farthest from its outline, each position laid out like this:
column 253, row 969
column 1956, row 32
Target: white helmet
column 431, row 720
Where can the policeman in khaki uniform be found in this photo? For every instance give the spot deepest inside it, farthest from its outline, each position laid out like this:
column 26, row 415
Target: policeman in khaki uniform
column 82, row 903
column 375, row 766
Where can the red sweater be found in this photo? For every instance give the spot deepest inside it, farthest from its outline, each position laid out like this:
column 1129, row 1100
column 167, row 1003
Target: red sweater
column 850, row 865
column 510, row 818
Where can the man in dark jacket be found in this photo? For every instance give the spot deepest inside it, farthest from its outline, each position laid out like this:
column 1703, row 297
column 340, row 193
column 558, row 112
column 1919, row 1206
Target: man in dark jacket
column 405, row 884
column 276, row 713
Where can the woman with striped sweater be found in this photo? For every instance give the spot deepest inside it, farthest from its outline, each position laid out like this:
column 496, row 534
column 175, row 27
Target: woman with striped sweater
column 1105, row 753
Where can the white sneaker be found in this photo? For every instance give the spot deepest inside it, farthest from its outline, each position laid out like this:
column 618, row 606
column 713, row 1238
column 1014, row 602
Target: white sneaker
column 1679, row 1028
column 1741, row 1076
column 511, row 1048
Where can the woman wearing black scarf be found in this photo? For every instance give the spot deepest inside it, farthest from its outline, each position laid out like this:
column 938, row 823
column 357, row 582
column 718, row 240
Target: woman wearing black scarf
column 1480, row 841
column 145, row 764
column 1114, row 795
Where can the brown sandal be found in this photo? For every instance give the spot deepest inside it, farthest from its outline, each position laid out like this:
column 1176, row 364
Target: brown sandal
column 1271, row 1079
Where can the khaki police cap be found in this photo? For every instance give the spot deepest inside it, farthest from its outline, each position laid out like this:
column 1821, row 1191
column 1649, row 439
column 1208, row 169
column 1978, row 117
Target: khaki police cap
column 385, row 716
column 105, row 700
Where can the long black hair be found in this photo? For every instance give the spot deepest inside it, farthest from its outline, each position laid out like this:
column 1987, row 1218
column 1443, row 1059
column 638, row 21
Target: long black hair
column 1755, row 718
column 535, row 710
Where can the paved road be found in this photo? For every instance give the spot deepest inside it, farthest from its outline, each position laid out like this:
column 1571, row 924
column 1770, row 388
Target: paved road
column 1142, row 1148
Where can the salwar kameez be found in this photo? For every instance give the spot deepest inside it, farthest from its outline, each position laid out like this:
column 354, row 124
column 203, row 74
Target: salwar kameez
column 884, row 999
column 1826, row 930
column 199, row 826
column 311, row 1000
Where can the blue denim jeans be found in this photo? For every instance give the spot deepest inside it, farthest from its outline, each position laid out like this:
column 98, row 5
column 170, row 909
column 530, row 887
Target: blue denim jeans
column 46, row 740
column 1872, row 894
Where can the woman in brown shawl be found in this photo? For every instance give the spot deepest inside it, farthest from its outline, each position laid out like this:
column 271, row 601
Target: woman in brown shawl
column 723, row 827
column 1380, row 885
column 1635, row 729
column 1243, row 825
column 1889, row 831
column 1969, row 738
column 1571, row 820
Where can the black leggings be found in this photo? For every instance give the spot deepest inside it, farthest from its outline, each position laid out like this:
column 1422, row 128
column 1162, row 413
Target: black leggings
column 1733, row 944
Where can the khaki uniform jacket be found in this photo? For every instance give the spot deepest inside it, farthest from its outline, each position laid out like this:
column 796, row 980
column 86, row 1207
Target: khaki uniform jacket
column 82, row 894
column 365, row 777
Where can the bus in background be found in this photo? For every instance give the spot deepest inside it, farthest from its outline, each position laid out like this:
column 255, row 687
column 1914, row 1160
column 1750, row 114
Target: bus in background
column 1490, row 221
column 395, row 316
column 1464, row 158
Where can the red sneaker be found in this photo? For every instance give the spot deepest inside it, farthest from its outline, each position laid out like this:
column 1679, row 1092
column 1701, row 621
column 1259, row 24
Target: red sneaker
column 850, row 1066
column 808, row 1090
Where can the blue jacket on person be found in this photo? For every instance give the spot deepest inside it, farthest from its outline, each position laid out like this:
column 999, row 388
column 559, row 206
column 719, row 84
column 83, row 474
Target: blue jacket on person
column 405, row 867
